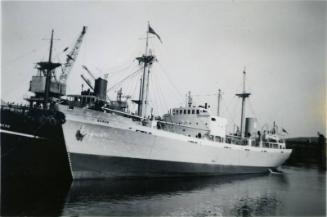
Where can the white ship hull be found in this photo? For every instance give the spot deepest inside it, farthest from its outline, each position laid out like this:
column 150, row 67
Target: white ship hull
column 103, row 145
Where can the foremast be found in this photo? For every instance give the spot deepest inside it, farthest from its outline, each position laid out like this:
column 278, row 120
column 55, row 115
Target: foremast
column 146, row 59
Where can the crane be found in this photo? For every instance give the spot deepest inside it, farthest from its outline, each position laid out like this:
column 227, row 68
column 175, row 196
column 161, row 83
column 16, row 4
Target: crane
column 71, row 57
column 87, row 81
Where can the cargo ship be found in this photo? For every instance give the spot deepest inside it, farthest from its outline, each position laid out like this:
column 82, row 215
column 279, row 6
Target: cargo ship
column 105, row 142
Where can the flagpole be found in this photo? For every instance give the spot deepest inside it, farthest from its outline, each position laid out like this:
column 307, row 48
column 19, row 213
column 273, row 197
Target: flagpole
column 147, row 39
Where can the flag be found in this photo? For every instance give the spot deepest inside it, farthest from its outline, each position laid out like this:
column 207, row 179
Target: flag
column 153, row 32
column 284, row 130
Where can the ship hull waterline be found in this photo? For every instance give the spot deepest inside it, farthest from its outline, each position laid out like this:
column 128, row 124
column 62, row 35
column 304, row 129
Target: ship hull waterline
column 100, row 167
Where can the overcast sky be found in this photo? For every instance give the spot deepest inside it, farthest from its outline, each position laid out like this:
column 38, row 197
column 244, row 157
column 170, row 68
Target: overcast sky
column 206, row 45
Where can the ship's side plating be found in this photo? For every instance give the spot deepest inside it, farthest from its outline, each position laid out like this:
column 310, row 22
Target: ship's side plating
column 104, row 145
column 32, row 144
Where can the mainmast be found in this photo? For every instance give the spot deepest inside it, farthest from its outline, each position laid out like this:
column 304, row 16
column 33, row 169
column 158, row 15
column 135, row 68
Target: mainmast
column 147, row 60
column 243, row 95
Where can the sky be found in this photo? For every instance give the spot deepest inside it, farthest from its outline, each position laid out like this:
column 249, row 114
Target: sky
column 205, row 46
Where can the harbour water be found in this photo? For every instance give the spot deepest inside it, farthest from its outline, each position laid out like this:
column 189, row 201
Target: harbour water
column 298, row 191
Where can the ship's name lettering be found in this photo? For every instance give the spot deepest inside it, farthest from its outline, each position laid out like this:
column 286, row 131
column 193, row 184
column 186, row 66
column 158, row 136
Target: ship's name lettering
column 5, row 125
column 102, row 121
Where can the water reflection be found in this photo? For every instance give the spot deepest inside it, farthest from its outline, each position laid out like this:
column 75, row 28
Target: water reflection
column 256, row 206
column 179, row 196
column 24, row 197
column 298, row 191
column 121, row 189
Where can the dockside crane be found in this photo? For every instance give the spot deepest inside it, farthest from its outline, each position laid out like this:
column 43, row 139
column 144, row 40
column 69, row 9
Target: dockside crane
column 71, row 57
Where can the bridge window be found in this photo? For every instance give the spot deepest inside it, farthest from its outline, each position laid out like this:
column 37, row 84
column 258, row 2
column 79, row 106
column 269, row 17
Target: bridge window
column 188, row 111
column 184, row 112
column 193, row 111
column 180, row 112
column 197, row 111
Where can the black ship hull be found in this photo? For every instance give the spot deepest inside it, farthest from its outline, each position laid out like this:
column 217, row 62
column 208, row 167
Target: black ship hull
column 32, row 144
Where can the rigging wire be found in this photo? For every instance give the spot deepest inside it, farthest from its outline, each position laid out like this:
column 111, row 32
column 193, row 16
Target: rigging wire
column 258, row 118
column 22, row 76
column 114, row 72
column 164, row 99
column 226, row 106
column 21, row 56
column 154, row 94
column 124, row 79
column 131, row 54
column 7, row 64
column 200, row 95
column 170, row 80
column 160, row 95
column 165, row 77
column 153, row 99
column 134, row 92
column 231, row 114
column 127, row 87
column 252, row 108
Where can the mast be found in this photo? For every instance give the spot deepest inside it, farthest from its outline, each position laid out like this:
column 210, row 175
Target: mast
column 48, row 72
column 139, row 106
column 189, row 99
column 145, row 80
column 243, row 95
column 147, row 60
column 146, row 92
column 142, row 90
column 218, row 105
column 51, row 44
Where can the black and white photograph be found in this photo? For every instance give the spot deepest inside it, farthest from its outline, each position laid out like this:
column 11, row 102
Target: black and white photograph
column 163, row 108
